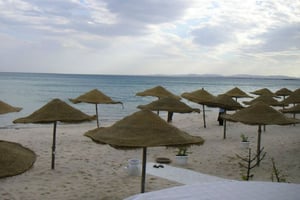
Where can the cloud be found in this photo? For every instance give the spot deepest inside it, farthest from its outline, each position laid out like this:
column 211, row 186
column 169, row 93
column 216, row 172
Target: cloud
column 212, row 35
column 150, row 36
column 148, row 11
column 282, row 38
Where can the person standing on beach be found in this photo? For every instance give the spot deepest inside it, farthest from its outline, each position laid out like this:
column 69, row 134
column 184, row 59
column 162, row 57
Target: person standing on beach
column 221, row 111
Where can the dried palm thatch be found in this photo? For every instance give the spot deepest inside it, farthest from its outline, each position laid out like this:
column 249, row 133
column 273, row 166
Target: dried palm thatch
column 142, row 129
column 54, row 111
column 199, row 96
column 95, row 97
column 6, row 108
column 159, row 92
column 295, row 109
column 170, row 105
column 237, row 93
column 264, row 91
column 266, row 99
column 226, row 102
column 260, row 114
column 202, row 97
column 14, row 159
column 293, row 98
column 283, row 92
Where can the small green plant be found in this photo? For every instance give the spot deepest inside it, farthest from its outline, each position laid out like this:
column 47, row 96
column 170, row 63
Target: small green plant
column 276, row 173
column 182, row 151
column 244, row 138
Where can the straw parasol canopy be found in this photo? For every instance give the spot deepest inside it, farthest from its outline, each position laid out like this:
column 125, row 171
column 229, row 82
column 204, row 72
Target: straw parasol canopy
column 264, row 91
column 294, row 98
column 169, row 104
column 142, row 129
column 54, row 111
column 202, row 97
column 227, row 103
column 260, row 114
column 237, row 93
column 6, row 108
column 14, row 159
column 159, row 92
column 283, row 92
column 266, row 99
column 295, row 109
column 95, row 97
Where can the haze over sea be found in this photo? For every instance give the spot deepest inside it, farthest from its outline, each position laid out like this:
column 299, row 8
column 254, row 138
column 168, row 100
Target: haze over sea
column 33, row 90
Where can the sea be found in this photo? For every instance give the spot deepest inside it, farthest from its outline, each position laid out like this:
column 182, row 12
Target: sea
column 33, row 90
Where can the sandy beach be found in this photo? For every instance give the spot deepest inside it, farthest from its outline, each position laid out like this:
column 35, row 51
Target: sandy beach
column 86, row 170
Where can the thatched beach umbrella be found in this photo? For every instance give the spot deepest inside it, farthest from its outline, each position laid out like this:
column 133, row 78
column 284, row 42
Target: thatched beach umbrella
column 227, row 103
column 169, row 104
column 158, row 92
column 54, row 111
column 293, row 110
column 201, row 97
column 6, row 108
column 142, row 129
column 237, row 93
column 264, row 91
column 283, row 92
column 266, row 99
column 95, row 97
column 293, row 98
column 14, row 159
column 260, row 114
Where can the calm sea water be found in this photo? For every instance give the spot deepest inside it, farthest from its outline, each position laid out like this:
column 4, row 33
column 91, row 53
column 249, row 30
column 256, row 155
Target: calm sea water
column 31, row 91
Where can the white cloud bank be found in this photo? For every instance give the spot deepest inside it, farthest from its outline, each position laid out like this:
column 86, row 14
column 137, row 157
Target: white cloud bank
column 151, row 36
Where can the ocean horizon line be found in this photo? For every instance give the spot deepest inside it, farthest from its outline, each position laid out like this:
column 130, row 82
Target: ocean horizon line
column 246, row 76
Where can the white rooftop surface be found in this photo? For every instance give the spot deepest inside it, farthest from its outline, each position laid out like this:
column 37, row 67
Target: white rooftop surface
column 198, row 186
column 180, row 175
column 229, row 190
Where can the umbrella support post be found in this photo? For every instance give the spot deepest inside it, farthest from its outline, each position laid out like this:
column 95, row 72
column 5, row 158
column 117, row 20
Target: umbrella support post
column 144, row 169
column 203, row 115
column 224, row 135
column 97, row 115
column 53, row 146
column 258, row 145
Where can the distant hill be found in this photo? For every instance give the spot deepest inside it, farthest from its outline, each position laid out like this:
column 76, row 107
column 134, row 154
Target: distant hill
column 231, row 76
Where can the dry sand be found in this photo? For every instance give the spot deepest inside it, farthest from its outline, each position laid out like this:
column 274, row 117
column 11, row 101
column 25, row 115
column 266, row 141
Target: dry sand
column 86, row 170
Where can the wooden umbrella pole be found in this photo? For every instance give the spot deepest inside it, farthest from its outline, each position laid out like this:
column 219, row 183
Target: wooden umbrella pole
column 144, row 170
column 224, row 135
column 53, row 146
column 258, row 145
column 97, row 115
column 204, row 115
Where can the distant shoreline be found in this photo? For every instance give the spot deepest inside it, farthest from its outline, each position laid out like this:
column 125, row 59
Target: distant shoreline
column 238, row 76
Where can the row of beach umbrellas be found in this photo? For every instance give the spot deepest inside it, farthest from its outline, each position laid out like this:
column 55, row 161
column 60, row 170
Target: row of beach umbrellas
column 143, row 128
column 139, row 130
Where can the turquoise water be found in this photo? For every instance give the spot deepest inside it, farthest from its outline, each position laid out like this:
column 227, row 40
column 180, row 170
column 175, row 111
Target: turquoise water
column 31, row 91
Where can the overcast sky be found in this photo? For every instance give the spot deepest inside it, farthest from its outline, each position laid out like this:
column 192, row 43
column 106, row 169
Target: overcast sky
column 151, row 36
